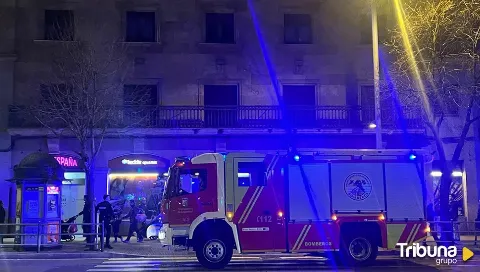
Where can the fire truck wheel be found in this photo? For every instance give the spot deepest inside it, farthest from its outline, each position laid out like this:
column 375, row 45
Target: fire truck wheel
column 359, row 250
column 214, row 253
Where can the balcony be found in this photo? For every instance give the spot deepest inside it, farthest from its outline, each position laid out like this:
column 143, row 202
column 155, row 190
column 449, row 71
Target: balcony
column 244, row 117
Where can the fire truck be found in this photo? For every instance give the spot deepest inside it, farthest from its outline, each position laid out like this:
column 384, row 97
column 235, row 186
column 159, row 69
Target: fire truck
column 346, row 203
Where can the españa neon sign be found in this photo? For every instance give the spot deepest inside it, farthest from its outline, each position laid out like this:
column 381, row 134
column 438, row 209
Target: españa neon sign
column 139, row 162
column 67, row 161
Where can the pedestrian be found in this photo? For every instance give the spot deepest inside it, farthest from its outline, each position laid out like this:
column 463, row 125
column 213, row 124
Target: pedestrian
column 431, row 221
column 117, row 221
column 86, row 226
column 477, row 224
column 105, row 216
column 132, row 215
column 3, row 215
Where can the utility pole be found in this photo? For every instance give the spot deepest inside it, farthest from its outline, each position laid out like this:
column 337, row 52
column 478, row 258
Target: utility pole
column 376, row 76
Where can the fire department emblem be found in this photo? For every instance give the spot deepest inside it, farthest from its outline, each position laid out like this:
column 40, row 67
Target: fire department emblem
column 358, row 186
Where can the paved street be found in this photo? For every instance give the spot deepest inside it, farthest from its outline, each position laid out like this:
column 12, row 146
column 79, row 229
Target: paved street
column 239, row 263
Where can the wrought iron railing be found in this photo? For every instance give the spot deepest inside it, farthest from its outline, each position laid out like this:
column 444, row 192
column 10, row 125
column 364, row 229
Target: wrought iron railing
column 249, row 117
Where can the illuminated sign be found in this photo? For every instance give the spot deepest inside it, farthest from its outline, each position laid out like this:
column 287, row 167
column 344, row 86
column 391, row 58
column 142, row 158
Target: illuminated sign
column 67, row 161
column 53, row 190
column 138, row 162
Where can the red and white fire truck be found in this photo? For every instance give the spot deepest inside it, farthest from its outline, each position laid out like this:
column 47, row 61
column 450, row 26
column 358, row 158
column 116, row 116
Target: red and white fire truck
column 347, row 201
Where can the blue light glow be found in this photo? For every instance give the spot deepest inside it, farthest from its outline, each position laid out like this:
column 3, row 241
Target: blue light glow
column 412, row 157
column 296, row 158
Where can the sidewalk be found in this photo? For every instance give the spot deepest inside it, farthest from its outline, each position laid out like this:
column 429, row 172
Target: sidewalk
column 77, row 249
column 148, row 248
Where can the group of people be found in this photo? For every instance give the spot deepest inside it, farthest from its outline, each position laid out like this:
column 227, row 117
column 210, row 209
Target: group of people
column 111, row 220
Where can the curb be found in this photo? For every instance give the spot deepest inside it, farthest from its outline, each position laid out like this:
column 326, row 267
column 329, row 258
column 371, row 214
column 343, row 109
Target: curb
column 62, row 255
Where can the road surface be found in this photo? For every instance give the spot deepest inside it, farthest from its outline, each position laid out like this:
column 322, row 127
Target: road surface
column 239, row 263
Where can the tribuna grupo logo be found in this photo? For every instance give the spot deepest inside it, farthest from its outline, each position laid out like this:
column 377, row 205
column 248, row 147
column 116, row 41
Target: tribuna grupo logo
column 441, row 254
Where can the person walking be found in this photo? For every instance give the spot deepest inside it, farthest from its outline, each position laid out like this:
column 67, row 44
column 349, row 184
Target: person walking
column 105, row 216
column 132, row 215
column 117, row 220
column 3, row 215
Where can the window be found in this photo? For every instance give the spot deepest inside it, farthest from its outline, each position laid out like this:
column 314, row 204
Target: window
column 140, row 27
column 366, row 28
column 59, row 25
column 298, row 29
column 219, row 28
column 251, row 174
column 183, row 181
column 192, row 181
column 56, row 95
column 134, row 95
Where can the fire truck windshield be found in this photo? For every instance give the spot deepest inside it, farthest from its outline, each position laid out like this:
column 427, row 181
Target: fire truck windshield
column 172, row 177
column 184, row 181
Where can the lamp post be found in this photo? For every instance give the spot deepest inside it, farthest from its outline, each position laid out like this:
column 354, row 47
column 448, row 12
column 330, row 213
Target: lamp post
column 376, row 76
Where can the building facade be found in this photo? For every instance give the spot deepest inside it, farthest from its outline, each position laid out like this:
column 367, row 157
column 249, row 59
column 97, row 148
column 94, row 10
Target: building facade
column 215, row 73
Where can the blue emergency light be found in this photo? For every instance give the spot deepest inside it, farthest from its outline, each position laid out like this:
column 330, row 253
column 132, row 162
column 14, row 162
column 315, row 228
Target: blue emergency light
column 296, row 158
column 412, row 157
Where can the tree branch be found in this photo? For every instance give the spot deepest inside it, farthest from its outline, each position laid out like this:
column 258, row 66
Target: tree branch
column 440, row 121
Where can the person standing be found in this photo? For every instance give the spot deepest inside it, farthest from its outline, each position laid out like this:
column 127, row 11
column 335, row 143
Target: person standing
column 117, row 221
column 132, row 215
column 477, row 224
column 105, row 216
column 86, row 226
column 431, row 221
column 3, row 215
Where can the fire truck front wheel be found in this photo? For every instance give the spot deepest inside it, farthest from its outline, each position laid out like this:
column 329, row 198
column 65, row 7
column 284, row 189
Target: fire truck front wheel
column 359, row 250
column 214, row 253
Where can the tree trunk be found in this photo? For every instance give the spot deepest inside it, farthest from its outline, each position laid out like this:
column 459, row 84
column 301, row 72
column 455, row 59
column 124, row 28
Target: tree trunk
column 90, row 193
column 445, row 215
column 445, row 182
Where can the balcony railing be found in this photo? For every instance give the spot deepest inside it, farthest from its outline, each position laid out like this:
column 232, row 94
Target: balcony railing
column 252, row 117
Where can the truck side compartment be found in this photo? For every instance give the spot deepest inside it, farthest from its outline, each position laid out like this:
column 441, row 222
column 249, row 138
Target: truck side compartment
column 379, row 197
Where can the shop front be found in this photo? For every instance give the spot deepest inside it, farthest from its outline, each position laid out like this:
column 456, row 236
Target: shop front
column 73, row 185
column 138, row 177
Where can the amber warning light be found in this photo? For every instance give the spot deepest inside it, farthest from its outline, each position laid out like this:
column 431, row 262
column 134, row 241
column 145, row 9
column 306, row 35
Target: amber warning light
column 229, row 212
column 180, row 164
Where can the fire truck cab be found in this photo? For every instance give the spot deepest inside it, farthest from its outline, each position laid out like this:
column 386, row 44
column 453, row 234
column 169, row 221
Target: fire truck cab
column 348, row 201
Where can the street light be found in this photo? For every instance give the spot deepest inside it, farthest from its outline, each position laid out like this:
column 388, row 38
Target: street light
column 376, row 76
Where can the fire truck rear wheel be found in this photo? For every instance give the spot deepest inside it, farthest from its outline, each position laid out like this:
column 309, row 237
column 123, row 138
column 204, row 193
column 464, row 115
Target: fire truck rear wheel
column 359, row 250
column 214, row 253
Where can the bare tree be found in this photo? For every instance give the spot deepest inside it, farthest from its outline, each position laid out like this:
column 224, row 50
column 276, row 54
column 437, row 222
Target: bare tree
column 436, row 57
column 81, row 97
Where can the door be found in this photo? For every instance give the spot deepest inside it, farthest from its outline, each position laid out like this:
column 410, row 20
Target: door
column 300, row 104
column 367, row 98
column 195, row 193
column 140, row 105
column 367, row 103
column 72, row 200
column 256, row 215
column 220, row 103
